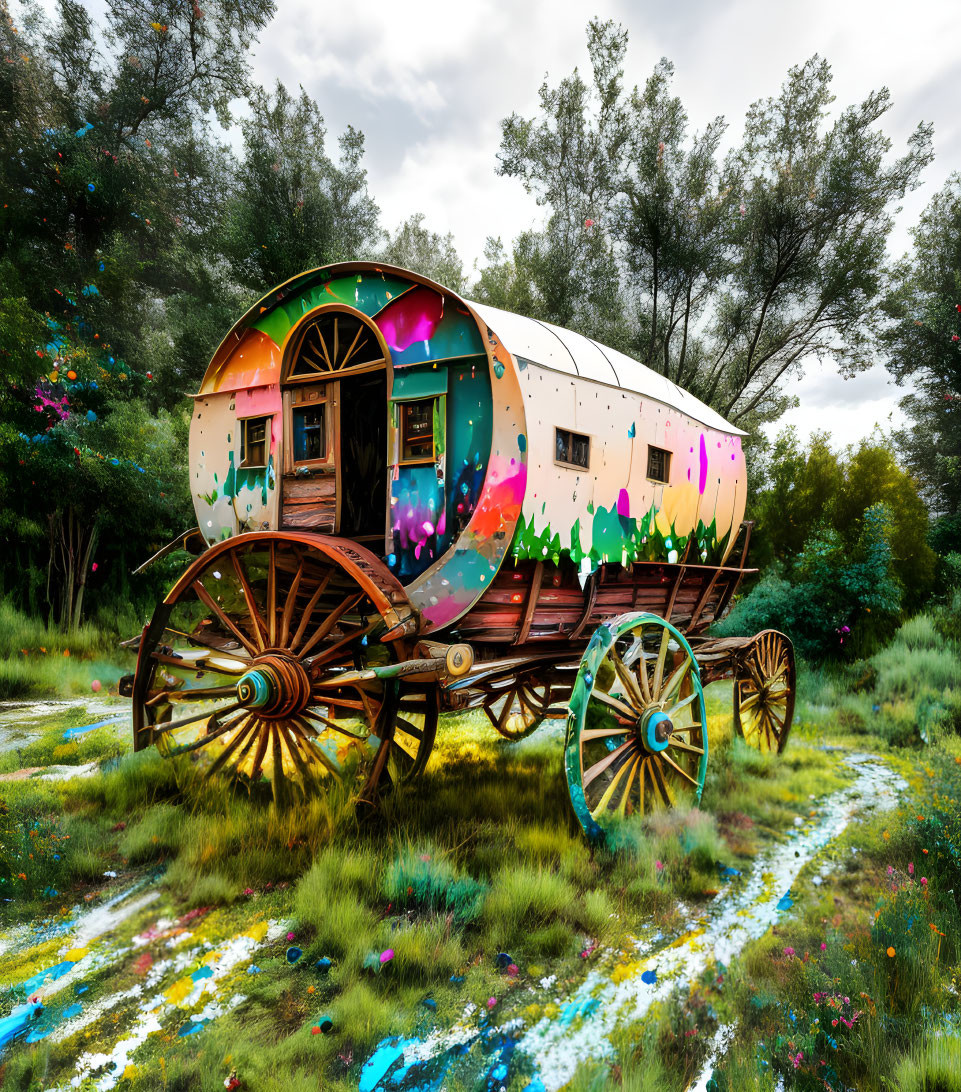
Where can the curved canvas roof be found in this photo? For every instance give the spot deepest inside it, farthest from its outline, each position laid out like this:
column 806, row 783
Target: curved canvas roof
column 565, row 351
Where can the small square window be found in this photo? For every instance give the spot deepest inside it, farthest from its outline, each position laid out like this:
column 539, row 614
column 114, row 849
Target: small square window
column 658, row 464
column 253, row 441
column 417, row 431
column 571, row 448
column 310, row 432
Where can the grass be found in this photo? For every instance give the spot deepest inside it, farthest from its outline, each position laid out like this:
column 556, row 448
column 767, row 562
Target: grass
column 483, row 857
column 38, row 660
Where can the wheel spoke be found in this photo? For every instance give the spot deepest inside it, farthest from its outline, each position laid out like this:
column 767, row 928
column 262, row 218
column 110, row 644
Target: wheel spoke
column 682, row 704
column 630, row 761
column 208, row 601
column 332, row 619
column 619, row 707
column 259, row 629
column 677, row 677
column 309, row 610
column 659, row 668
column 602, row 733
column 249, row 728
column 202, row 714
column 628, row 681
column 291, row 602
column 664, row 756
column 599, row 767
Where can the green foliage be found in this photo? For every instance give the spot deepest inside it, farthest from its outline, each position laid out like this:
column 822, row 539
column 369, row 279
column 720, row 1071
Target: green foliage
column 413, row 246
column 841, row 537
column 721, row 274
column 294, row 208
column 923, row 351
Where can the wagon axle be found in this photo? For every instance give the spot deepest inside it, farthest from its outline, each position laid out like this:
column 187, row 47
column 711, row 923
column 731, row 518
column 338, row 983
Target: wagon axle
column 276, row 686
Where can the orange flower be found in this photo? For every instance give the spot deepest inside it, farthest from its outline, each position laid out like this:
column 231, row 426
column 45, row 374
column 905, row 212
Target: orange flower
column 891, row 952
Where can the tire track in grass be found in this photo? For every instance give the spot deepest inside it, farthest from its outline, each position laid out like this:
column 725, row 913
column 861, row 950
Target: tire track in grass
column 621, row 992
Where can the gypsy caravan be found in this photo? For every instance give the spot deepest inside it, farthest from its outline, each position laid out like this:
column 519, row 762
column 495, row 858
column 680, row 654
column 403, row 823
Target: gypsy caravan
column 411, row 504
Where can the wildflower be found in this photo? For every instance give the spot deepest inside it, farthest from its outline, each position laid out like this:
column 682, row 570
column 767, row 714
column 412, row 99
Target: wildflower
column 834, row 1023
column 290, row 936
column 890, row 870
column 789, row 951
column 659, row 865
column 911, row 869
column 891, row 952
column 824, row 947
column 491, row 1002
column 924, row 881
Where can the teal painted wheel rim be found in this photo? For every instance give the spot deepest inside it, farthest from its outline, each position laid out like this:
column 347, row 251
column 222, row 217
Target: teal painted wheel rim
column 636, row 727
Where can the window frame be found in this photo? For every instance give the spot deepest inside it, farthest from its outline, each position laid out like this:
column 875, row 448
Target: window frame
column 403, row 406
column 668, row 456
column 324, row 399
column 571, row 433
column 245, row 423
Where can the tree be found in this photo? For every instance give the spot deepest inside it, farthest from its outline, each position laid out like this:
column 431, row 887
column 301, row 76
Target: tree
column 413, row 246
column 923, row 352
column 113, row 189
column 294, row 208
column 727, row 275
column 841, row 538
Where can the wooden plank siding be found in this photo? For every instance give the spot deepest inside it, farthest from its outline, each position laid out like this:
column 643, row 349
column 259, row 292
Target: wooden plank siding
column 534, row 603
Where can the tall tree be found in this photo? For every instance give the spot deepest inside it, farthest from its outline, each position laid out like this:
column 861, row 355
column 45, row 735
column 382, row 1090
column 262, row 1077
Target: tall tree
column 294, row 207
column 923, row 353
column 728, row 273
column 113, row 188
column 413, row 246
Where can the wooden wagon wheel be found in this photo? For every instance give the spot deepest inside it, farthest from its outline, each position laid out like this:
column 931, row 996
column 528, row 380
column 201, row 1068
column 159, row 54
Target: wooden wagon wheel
column 764, row 685
column 253, row 660
column 636, row 737
column 517, row 705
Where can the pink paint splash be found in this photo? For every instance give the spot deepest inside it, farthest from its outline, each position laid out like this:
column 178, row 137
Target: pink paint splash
column 702, row 476
column 413, row 317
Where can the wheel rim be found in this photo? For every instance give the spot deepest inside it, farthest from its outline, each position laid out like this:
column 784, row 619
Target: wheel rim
column 764, row 692
column 636, row 738
column 517, row 706
column 244, row 662
column 414, row 731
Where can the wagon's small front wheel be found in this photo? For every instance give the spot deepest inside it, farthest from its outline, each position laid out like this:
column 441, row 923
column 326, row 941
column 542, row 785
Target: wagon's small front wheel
column 764, row 685
column 636, row 735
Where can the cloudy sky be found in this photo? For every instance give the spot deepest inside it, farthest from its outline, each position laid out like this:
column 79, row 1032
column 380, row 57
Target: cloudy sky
column 428, row 83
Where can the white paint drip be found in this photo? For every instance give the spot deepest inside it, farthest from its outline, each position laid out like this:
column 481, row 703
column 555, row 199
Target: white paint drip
column 104, row 1070
column 730, row 922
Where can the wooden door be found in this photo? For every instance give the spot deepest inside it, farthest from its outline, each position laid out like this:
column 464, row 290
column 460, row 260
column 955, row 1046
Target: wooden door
column 310, row 481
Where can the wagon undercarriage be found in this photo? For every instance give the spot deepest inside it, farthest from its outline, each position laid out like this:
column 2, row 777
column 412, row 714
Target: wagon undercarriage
column 297, row 658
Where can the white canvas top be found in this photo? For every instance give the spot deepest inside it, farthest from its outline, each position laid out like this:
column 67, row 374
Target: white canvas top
column 565, row 351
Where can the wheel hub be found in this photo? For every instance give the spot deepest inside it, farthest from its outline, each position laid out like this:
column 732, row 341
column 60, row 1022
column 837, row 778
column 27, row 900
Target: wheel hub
column 276, row 686
column 654, row 729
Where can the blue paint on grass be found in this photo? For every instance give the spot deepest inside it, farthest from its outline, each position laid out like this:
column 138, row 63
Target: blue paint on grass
column 72, row 733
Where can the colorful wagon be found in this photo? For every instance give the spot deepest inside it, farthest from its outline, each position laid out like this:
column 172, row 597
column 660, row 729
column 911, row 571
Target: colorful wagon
column 411, row 504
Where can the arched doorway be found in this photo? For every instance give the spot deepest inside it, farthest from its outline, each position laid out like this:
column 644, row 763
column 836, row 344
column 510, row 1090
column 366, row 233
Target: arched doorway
column 335, row 427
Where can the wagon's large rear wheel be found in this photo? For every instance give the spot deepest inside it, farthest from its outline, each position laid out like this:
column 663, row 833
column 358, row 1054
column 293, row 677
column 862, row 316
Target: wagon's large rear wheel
column 243, row 662
column 636, row 736
column 764, row 685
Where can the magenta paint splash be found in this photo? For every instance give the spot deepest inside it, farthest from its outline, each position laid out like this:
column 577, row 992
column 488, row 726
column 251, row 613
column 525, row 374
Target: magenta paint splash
column 702, row 475
column 413, row 317
column 624, row 504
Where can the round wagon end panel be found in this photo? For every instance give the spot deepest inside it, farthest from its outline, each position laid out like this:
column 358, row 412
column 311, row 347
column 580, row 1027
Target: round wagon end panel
column 465, row 571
